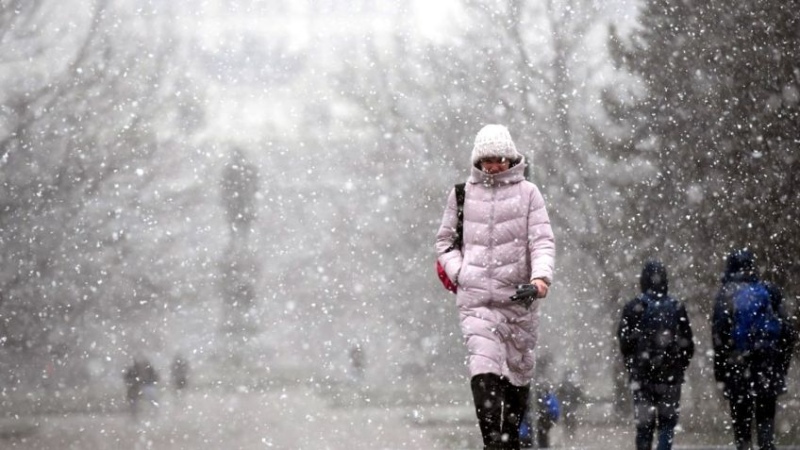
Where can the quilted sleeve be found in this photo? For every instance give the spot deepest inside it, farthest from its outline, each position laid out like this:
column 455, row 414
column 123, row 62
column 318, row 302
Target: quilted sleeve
column 541, row 241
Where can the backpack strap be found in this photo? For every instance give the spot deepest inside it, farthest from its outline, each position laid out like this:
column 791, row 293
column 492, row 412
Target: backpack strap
column 458, row 239
column 461, row 194
column 644, row 300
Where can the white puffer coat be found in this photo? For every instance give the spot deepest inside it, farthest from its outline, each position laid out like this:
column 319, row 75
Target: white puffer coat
column 507, row 241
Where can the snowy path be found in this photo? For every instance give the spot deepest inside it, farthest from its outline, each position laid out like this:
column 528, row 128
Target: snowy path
column 295, row 418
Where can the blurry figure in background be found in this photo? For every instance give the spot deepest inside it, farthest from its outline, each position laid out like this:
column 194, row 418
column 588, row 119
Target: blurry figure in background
column 570, row 394
column 358, row 362
column 543, row 408
column 656, row 343
column 526, row 428
column 180, row 373
column 753, row 341
column 548, row 411
column 502, row 266
column 140, row 381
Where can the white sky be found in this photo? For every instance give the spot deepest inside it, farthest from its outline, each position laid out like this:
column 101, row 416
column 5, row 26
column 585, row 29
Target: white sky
column 432, row 16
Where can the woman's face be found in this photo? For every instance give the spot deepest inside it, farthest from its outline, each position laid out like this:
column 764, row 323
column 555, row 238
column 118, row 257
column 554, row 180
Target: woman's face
column 494, row 165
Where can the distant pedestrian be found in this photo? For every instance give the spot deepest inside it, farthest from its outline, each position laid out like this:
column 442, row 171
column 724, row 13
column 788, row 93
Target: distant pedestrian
column 548, row 412
column 180, row 373
column 358, row 362
column 140, row 382
column 502, row 266
column 541, row 411
column 753, row 340
column 656, row 343
column 571, row 395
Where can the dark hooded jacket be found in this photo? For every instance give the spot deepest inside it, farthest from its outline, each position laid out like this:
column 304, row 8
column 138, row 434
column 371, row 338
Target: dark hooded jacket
column 637, row 343
column 763, row 371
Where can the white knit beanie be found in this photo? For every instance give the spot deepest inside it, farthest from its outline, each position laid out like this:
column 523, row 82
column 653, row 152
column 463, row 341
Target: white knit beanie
column 494, row 141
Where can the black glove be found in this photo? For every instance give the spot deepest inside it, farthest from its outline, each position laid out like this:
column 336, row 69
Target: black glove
column 526, row 294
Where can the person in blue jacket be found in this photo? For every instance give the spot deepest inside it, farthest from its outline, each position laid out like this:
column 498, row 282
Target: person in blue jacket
column 750, row 363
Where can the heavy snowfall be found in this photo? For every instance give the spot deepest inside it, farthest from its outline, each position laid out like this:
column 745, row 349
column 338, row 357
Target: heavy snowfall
column 243, row 196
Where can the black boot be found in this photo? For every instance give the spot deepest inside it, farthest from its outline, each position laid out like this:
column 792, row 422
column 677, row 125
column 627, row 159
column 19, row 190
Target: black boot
column 487, row 391
column 516, row 404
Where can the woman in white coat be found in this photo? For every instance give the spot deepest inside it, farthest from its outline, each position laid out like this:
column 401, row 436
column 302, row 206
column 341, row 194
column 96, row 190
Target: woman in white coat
column 507, row 242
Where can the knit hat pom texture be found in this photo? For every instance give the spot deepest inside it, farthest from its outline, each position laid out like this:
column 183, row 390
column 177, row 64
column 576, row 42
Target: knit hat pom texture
column 494, row 141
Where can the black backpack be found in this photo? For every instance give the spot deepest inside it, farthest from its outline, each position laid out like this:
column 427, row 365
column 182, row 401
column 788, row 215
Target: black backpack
column 658, row 349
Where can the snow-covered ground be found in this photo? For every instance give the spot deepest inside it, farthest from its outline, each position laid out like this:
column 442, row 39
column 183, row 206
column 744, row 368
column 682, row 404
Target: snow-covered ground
column 298, row 417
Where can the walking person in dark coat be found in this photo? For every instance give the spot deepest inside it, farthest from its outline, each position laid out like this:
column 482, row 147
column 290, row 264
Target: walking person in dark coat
column 656, row 343
column 548, row 411
column 751, row 359
column 140, row 382
column 571, row 395
column 180, row 373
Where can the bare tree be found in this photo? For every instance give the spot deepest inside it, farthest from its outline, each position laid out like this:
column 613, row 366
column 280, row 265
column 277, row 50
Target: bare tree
column 529, row 64
column 86, row 107
column 239, row 266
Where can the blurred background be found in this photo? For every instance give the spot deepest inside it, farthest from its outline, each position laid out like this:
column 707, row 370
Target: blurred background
column 255, row 185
